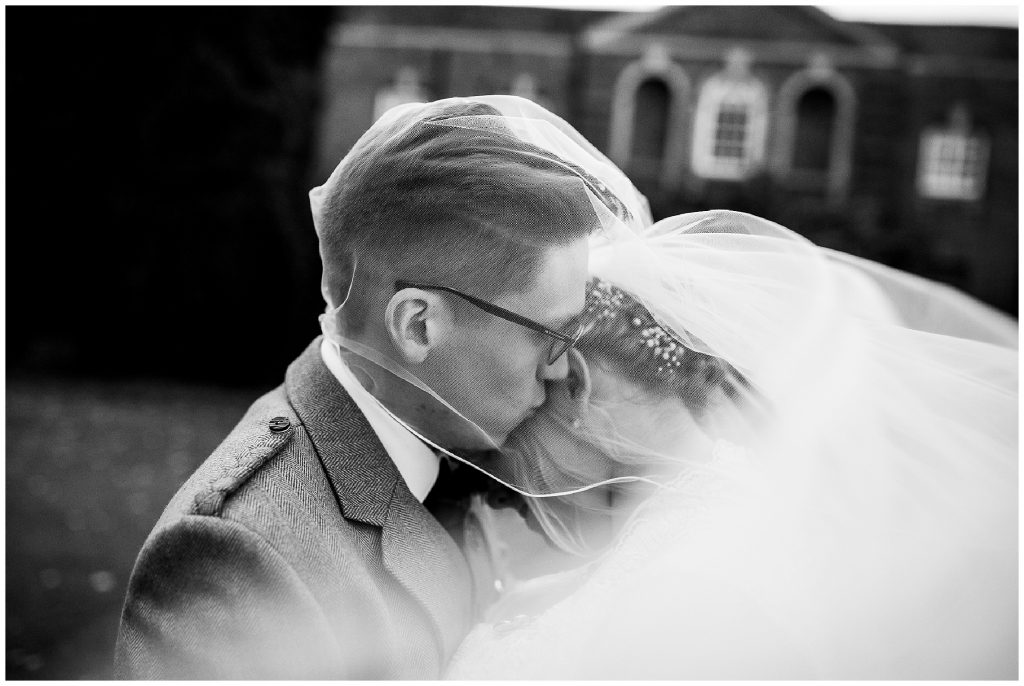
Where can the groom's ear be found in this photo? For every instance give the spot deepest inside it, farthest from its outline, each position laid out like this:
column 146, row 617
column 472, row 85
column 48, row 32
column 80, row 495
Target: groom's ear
column 417, row 321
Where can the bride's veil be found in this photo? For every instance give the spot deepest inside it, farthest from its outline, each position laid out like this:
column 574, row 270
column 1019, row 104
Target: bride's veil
column 533, row 158
column 870, row 526
column 872, row 518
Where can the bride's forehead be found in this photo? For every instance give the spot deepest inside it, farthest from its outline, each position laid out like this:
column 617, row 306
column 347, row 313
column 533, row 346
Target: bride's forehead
column 609, row 384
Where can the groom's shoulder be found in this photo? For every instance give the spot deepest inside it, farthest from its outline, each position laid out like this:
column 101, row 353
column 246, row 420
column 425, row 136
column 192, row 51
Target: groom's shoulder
column 267, row 443
column 249, row 543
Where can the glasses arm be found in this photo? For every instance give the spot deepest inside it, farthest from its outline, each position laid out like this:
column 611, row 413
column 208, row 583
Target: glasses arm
column 491, row 309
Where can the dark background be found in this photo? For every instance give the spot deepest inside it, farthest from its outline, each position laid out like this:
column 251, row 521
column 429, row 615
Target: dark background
column 156, row 196
column 161, row 273
column 162, row 266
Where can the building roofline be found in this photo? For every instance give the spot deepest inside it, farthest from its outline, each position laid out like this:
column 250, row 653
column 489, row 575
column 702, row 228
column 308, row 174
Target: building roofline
column 607, row 30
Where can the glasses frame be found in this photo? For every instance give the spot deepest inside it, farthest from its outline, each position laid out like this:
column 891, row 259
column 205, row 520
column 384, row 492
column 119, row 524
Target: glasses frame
column 567, row 340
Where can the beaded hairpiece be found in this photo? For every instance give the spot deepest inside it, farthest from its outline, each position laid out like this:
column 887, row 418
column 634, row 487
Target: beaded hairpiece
column 605, row 302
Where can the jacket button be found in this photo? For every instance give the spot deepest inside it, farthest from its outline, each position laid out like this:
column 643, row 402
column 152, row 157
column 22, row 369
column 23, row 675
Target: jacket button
column 278, row 424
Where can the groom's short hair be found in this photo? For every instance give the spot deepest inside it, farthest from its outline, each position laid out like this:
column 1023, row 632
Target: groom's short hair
column 470, row 208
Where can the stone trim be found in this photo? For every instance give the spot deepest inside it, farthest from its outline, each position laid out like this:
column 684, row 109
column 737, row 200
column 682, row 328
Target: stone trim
column 450, row 39
column 656, row 64
column 819, row 74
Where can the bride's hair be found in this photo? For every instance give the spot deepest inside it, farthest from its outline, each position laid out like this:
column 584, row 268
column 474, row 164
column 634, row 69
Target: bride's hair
column 624, row 338
column 626, row 335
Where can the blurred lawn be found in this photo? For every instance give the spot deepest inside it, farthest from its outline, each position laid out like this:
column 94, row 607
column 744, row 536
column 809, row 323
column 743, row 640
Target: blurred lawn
column 90, row 467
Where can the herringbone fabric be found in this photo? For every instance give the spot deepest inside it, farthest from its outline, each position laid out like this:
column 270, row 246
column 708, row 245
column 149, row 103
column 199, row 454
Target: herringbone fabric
column 296, row 554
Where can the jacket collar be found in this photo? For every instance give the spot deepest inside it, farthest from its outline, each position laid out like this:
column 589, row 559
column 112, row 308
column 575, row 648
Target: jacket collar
column 416, row 548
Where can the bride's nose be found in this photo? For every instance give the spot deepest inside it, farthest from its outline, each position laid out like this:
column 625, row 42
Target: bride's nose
column 556, row 371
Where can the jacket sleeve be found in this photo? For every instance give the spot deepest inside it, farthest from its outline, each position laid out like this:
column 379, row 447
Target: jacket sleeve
column 210, row 599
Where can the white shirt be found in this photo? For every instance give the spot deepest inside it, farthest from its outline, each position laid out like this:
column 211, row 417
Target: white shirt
column 416, row 462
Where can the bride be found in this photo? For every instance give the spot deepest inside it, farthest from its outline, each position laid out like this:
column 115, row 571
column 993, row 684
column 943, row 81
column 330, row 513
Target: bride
column 770, row 460
column 854, row 517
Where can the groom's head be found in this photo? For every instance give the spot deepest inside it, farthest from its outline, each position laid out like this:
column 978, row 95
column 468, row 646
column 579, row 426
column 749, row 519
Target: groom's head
column 437, row 196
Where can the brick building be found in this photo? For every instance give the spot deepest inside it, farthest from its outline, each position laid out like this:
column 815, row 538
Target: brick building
column 898, row 143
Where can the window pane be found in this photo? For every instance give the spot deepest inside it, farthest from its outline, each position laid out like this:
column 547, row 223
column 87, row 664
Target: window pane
column 952, row 165
column 815, row 114
column 731, row 131
column 650, row 121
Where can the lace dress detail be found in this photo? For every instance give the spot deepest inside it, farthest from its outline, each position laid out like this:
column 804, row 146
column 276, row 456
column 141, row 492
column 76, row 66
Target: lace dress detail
column 556, row 642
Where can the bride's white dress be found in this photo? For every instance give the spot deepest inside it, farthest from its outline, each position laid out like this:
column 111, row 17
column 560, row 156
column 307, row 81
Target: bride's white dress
column 869, row 531
column 869, row 527
column 713, row 579
column 561, row 641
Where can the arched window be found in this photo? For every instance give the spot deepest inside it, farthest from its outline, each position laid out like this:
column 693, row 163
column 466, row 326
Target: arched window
column 649, row 117
column 731, row 123
column 953, row 159
column 650, row 127
column 405, row 89
column 815, row 132
column 815, row 126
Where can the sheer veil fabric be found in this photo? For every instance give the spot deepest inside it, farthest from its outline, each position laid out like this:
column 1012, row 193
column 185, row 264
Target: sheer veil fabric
column 516, row 133
column 826, row 481
column 864, row 525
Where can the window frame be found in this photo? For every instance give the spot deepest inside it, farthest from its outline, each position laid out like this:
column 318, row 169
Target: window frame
column 730, row 91
column 819, row 73
column 945, row 176
column 656, row 62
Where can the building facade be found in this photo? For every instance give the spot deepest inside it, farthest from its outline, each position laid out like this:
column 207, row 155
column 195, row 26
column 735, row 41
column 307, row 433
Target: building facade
column 897, row 143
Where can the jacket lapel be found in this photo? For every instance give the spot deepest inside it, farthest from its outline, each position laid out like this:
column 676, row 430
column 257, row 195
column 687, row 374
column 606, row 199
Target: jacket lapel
column 416, row 548
column 425, row 559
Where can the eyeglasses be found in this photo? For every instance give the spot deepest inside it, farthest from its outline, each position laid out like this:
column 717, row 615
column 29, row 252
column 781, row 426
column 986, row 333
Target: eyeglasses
column 562, row 340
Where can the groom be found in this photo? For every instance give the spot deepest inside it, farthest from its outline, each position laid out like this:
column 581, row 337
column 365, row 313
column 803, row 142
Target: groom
column 302, row 547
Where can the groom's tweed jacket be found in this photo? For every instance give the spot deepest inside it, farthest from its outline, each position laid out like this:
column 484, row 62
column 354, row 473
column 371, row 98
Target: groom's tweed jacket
column 296, row 551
